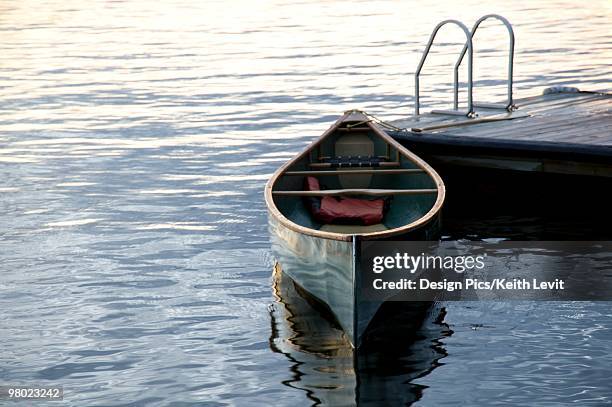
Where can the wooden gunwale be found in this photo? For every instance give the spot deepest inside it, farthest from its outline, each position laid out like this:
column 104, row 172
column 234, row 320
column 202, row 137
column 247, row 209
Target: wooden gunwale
column 366, row 236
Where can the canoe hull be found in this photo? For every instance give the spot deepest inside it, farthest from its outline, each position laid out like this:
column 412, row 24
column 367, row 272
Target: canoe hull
column 329, row 271
column 355, row 156
column 322, row 267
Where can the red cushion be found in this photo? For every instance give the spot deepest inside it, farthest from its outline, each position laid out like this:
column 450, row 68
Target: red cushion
column 351, row 210
column 344, row 210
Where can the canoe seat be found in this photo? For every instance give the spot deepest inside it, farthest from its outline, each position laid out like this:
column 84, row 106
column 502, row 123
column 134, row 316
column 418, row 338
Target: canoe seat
column 344, row 210
column 353, row 161
column 353, row 229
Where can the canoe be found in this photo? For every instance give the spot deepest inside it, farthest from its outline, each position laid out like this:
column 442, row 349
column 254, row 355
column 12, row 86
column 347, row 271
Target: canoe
column 354, row 183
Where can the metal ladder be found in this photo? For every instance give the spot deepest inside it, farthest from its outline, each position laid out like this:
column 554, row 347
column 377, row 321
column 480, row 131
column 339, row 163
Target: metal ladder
column 469, row 48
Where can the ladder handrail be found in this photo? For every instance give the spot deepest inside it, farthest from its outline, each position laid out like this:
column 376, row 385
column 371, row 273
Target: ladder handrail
column 469, row 47
column 509, row 102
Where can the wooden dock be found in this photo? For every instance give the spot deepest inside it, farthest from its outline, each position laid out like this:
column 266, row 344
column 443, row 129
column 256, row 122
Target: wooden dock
column 558, row 132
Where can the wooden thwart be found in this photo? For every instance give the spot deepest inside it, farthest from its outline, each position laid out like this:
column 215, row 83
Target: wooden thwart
column 369, row 192
column 358, row 171
column 381, row 164
column 382, row 157
column 349, row 129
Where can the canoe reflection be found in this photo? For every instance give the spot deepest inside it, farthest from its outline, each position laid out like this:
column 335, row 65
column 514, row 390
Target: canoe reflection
column 325, row 366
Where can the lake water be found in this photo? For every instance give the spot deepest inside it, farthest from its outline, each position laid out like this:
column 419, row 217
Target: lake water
column 135, row 140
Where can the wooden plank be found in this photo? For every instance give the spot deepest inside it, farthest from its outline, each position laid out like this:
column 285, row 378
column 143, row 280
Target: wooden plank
column 585, row 135
column 601, row 99
column 369, row 192
column 485, row 130
column 551, row 96
column 531, row 133
column 542, row 122
column 559, row 127
column 476, row 130
column 558, row 112
column 564, row 108
column 544, row 104
column 534, row 98
column 566, row 100
column 358, row 171
column 425, row 119
column 382, row 157
column 576, row 110
column 353, row 129
column 470, row 122
column 381, row 164
column 537, row 124
column 598, row 107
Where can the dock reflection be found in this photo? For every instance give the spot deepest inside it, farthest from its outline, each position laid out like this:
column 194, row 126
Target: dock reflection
column 324, row 365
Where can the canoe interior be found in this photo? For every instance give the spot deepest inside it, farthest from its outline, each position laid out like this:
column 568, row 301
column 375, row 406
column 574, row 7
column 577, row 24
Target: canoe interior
column 357, row 139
